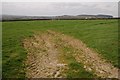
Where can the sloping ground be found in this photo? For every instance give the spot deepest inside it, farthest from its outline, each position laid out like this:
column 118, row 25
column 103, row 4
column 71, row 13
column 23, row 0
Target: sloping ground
column 44, row 51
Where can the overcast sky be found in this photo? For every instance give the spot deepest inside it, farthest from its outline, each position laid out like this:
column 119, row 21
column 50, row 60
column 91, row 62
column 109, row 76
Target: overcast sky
column 59, row 8
column 60, row 0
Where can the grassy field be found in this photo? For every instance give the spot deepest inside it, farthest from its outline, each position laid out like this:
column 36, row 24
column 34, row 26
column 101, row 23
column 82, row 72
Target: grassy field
column 0, row 49
column 101, row 35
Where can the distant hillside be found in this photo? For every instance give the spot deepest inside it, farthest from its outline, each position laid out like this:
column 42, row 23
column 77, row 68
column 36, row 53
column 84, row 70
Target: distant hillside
column 15, row 17
column 84, row 17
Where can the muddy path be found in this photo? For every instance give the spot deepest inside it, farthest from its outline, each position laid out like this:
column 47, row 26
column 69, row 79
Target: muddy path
column 43, row 57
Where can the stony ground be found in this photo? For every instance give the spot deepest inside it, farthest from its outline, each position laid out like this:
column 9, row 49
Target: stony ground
column 43, row 57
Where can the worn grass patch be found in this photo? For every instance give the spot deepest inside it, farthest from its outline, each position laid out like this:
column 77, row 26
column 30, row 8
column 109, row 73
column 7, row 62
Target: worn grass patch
column 76, row 69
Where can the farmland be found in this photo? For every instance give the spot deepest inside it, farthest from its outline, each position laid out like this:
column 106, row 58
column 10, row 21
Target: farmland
column 100, row 35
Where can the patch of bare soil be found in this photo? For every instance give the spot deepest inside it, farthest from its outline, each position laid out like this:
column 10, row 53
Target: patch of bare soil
column 42, row 60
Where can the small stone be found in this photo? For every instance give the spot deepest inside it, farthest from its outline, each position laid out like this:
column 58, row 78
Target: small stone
column 85, row 67
column 57, row 74
column 89, row 69
column 61, row 65
column 101, row 72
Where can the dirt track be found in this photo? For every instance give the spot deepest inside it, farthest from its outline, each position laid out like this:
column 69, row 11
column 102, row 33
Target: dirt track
column 43, row 53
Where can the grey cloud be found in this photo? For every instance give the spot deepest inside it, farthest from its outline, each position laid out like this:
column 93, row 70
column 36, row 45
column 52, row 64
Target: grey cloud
column 59, row 8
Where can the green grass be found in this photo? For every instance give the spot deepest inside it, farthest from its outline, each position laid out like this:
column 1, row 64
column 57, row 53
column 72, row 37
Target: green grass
column 76, row 69
column 0, row 49
column 101, row 35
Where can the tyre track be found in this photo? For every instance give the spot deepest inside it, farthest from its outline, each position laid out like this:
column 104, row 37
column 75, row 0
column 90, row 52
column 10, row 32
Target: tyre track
column 42, row 60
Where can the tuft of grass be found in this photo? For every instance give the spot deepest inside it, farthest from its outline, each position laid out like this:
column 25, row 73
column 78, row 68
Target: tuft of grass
column 76, row 69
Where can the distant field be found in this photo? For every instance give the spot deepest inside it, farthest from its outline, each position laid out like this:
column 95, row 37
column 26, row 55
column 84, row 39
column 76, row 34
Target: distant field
column 101, row 35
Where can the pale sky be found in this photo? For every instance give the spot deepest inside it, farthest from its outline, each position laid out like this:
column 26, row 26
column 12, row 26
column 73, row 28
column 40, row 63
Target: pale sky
column 60, row 8
column 60, row 0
